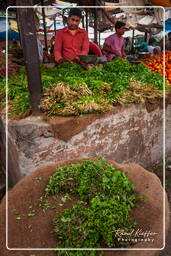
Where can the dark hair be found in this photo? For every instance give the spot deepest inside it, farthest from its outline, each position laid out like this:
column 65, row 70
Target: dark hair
column 151, row 40
column 75, row 12
column 169, row 34
column 127, row 39
column 119, row 24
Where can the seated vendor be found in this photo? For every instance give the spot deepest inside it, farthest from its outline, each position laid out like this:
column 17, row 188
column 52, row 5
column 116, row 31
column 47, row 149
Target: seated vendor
column 71, row 41
column 114, row 45
column 143, row 47
column 152, row 48
column 168, row 42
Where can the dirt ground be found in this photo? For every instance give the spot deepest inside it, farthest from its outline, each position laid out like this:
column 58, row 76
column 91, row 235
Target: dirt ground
column 2, row 176
column 2, row 183
column 158, row 170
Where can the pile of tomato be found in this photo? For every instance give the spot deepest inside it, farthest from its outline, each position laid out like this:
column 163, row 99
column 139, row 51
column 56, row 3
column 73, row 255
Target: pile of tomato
column 156, row 63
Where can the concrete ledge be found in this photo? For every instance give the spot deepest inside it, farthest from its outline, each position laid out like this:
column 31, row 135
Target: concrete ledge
column 130, row 134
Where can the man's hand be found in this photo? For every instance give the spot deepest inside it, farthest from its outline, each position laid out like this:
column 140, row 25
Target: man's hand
column 117, row 53
column 61, row 61
column 76, row 60
column 108, row 49
column 124, row 55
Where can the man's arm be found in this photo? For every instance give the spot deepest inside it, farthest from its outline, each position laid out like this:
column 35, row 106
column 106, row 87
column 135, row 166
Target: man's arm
column 107, row 49
column 85, row 46
column 123, row 51
column 58, row 47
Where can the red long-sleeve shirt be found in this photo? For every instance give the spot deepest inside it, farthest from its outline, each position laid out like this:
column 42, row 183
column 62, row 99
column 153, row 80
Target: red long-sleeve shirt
column 94, row 48
column 68, row 46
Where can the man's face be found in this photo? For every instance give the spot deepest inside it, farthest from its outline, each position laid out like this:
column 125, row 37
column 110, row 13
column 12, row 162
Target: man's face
column 73, row 22
column 121, row 31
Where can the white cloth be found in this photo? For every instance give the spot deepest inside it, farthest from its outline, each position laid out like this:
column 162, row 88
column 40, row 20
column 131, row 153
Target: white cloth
column 151, row 49
column 40, row 50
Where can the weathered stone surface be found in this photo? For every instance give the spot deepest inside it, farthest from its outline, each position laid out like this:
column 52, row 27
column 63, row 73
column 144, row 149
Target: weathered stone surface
column 13, row 168
column 126, row 135
column 153, row 104
column 150, row 216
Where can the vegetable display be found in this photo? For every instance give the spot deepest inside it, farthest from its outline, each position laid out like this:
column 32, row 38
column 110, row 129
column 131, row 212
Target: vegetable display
column 105, row 200
column 95, row 91
column 156, row 64
column 11, row 66
column 70, row 90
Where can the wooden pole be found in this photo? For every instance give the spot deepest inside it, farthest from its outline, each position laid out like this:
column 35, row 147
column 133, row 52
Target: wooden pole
column 30, row 50
column 95, row 23
column 145, row 36
column 132, row 46
column 55, row 25
column 87, row 20
column 83, row 23
column 44, row 25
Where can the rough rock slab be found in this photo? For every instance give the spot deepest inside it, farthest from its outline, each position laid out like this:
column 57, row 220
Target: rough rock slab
column 28, row 190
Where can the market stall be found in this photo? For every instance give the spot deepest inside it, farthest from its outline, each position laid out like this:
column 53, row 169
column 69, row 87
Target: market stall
column 101, row 78
column 70, row 90
column 98, row 111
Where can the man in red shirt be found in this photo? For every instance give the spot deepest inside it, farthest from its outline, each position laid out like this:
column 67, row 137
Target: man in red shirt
column 71, row 41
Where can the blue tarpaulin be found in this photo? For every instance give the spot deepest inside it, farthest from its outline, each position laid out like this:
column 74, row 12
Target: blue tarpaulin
column 168, row 24
column 12, row 34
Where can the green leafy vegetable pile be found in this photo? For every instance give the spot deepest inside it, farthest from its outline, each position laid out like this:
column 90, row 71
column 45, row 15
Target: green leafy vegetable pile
column 18, row 94
column 71, row 90
column 106, row 197
column 96, row 90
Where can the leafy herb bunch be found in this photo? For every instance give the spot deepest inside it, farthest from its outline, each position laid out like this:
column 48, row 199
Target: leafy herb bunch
column 95, row 90
column 106, row 197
